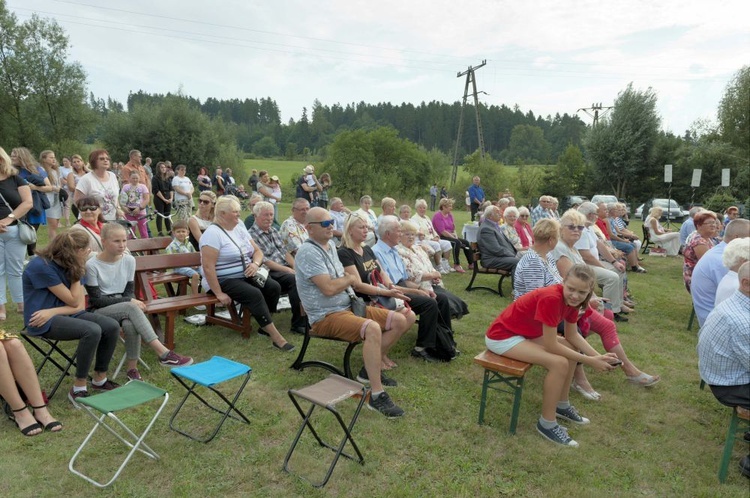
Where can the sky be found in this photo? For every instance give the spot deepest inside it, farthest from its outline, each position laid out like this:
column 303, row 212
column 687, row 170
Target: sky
column 547, row 56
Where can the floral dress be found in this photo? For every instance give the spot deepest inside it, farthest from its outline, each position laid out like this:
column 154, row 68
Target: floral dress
column 690, row 257
column 417, row 263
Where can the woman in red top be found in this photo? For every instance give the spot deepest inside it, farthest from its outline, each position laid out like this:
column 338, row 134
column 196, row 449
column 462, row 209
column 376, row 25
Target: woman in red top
column 527, row 331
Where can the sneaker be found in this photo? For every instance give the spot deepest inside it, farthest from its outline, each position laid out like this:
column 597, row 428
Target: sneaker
column 385, row 405
column 75, row 396
column 200, row 307
column 386, row 381
column 638, row 269
column 107, row 386
column 175, row 360
column 134, row 374
column 556, row 434
column 571, row 414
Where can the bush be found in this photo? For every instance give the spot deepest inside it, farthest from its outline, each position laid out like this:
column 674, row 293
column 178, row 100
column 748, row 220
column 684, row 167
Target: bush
column 720, row 201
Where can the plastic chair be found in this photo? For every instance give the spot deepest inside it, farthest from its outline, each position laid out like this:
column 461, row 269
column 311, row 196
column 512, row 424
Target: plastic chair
column 209, row 374
column 735, row 432
column 48, row 348
column 326, row 394
column 130, row 395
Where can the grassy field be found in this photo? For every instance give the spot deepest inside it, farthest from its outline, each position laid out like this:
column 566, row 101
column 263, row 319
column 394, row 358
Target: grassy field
column 662, row 441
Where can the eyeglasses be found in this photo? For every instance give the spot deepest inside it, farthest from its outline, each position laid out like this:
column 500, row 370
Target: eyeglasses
column 575, row 227
column 324, row 223
column 204, row 201
column 88, row 208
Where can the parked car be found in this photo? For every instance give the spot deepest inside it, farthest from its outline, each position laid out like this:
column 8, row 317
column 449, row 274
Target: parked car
column 572, row 200
column 609, row 199
column 674, row 212
column 639, row 212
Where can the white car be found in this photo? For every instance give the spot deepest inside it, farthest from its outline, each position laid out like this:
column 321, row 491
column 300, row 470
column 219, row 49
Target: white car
column 639, row 212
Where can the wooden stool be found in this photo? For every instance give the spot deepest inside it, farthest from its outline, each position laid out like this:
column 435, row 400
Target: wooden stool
column 735, row 432
column 507, row 372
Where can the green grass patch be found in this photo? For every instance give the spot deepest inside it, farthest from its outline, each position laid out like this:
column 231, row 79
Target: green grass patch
column 662, row 441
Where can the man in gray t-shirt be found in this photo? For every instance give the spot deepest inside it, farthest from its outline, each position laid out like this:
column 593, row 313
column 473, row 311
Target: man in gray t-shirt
column 324, row 288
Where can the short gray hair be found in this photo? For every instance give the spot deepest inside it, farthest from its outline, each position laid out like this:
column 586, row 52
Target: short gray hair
column 511, row 210
column 388, row 223
column 490, row 211
column 736, row 253
column 262, row 206
column 523, row 210
column 588, row 208
column 420, row 202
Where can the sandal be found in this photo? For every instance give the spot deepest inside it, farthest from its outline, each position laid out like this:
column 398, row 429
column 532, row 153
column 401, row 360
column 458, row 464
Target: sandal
column 52, row 425
column 644, row 379
column 590, row 395
column 29, row 428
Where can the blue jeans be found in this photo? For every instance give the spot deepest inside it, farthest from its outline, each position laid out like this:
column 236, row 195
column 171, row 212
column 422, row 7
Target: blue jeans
column 96, row 334
column 12, row 255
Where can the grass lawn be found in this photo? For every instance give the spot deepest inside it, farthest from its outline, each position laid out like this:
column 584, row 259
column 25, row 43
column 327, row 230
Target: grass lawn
column 662, row 441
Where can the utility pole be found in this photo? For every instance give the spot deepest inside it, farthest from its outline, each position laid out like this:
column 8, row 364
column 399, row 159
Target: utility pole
column 595, row 108
column 470, row 78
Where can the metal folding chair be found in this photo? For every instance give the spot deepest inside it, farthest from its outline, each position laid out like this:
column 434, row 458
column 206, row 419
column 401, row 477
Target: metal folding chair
column 210, row 374
column 326, row 394
column 130, row 395
column 48, row 348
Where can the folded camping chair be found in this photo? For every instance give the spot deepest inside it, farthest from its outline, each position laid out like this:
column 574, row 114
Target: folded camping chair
column 48, row 348
column 326, row 394
column 132, row 394
column 209, row 374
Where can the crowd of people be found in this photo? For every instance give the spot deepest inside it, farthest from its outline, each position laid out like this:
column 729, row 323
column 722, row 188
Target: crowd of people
column 570, row 273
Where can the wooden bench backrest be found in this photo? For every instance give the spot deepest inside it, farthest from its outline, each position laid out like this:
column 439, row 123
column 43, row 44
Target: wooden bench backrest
column 149, row 246
column 161, row 262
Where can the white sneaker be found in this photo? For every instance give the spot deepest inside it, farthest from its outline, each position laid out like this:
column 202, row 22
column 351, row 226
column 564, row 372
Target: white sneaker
column 200, row 307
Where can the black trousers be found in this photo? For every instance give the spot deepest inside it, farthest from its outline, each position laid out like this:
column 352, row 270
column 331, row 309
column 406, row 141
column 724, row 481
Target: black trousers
column 457, row 245
column 261, row 302
column 430, row 311
column 164, row 208
column 288, row 284
column 732, row 395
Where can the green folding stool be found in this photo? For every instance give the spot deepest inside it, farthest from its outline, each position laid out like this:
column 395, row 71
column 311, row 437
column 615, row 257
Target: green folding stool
column 102, row 408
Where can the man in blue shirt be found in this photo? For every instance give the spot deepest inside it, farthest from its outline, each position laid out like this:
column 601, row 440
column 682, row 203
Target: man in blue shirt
column 429, row 305
column 710, row 270
column 476, row 197
column 689, row 226
column 724, row 349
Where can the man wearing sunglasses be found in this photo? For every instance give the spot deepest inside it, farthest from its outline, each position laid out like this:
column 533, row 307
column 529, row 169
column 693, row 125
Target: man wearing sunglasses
column 325, row 289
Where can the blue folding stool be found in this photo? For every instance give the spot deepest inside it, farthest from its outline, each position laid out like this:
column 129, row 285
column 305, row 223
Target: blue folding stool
column 210, row 374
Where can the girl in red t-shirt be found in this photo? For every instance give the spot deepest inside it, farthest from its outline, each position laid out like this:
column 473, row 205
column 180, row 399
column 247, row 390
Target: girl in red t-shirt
column 527, row 331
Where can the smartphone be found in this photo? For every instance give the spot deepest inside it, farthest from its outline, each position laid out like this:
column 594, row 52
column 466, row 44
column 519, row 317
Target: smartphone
column 617, row 363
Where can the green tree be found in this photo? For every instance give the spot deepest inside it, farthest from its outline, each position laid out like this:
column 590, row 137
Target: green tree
column 42, row 94
column 621, row 147
column 569, row 176
column 377, row 163
column 527, row 145
column 265, row 147
column 492, row 173
column 734, row 112
column 172, row 130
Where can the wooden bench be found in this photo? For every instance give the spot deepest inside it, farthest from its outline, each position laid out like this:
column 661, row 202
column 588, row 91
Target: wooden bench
column 487, row 271
column 143, row 247
column 739, row 423
column 171, row 306
column 506, row 372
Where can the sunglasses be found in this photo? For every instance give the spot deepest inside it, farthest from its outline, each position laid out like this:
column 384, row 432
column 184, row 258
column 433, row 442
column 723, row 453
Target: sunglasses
column 575, row 227
column 88, row 208
column 324, row 223
column 204, row 201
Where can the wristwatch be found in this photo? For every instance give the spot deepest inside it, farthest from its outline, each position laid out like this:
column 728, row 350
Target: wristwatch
column 12, row 216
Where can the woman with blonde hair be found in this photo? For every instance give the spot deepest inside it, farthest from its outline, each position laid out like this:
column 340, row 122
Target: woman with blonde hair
column 39, row 184
column 665, row 237
column 230, row 259
column 77, row 170
column 202, row 219
column 358, row 259
column 14, row 204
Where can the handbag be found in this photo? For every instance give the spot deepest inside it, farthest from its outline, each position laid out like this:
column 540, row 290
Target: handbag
column 386, row 302
column 261, row 275
column 26, row 232
column 63, row 195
